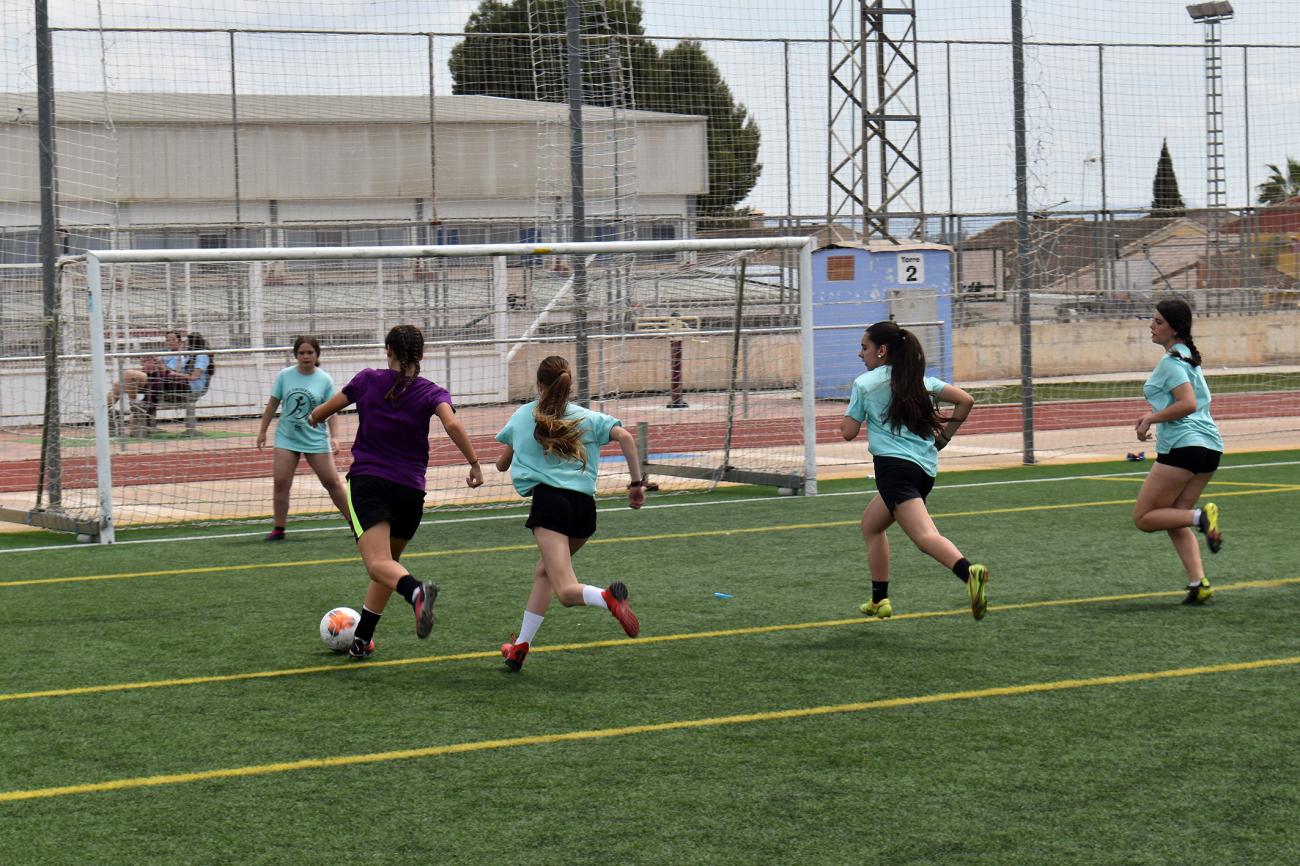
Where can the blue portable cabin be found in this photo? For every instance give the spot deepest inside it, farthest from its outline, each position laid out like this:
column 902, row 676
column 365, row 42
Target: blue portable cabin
column 855, row 285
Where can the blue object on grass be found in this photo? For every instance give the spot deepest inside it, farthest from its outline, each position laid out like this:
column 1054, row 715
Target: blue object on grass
column 723, row 595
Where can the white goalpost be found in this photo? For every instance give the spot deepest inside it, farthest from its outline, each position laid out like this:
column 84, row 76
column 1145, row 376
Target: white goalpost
column 702, row 347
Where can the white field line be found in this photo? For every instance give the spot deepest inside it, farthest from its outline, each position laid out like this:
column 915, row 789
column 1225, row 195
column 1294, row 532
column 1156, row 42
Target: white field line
column 619, row 509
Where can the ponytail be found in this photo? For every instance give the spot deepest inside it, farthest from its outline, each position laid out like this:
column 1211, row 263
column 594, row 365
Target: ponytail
column 912, row 407
column 558, row 437
column 407, row 343
column 1178, row 314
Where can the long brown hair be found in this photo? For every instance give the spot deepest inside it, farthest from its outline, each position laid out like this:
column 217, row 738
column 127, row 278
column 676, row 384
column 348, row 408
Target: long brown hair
column 1177, row 313
column 912, row 406
column 557, row 436
column 407, row 343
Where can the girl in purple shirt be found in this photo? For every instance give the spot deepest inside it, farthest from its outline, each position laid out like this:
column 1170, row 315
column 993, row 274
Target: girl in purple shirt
column 390, row 457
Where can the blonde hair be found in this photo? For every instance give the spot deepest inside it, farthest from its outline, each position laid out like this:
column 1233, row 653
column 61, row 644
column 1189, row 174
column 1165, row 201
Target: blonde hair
column 557, row 436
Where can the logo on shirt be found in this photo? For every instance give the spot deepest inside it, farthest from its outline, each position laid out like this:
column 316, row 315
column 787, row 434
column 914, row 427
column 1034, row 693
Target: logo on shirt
column 298, row 404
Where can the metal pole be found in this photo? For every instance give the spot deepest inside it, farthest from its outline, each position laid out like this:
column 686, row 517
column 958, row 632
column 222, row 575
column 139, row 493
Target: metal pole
column 789, row 187
column 789, row 182
column 573, row 44
column 1101, row 119
column 1245, row 112
column 879, row 124
column 1022, row 231
column 947, row 57
column 808, row 380
column 51, row 453
column 1107, row 263
column 433, row 141
column 234, row 124
column 99, row 393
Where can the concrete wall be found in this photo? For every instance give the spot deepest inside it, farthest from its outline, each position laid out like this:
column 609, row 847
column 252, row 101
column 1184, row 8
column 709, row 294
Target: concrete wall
column 982, row 352
column 642, row 364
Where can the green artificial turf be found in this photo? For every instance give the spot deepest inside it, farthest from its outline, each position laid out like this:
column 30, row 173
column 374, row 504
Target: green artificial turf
column 1059, row 767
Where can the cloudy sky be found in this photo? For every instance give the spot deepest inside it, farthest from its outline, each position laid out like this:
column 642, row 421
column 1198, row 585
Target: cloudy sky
column 1149, row 93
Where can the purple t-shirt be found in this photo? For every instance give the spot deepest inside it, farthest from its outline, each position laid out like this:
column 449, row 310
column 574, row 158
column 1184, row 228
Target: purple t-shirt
column 393, row 440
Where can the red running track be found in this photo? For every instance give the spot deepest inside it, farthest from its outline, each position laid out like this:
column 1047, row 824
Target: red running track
column 229, row 464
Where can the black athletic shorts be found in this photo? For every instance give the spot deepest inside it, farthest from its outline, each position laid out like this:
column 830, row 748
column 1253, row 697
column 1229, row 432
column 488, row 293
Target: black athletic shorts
column 372, row 500
column 1193, row 458
column 567, row 512
column 898, row 480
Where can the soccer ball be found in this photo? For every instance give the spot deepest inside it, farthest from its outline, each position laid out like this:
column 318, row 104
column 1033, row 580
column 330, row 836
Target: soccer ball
column 337, row 628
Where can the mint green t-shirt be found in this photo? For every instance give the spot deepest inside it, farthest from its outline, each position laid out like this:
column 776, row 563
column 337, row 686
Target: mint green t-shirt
column 872, row 394
column 298, row 395
column 533, row 466
column 1198, row 428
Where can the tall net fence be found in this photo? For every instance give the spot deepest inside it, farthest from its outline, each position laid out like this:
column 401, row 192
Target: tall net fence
column 1160, row 161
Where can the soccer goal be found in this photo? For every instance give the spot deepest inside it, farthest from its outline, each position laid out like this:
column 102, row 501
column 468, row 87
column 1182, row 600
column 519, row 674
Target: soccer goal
column 702, row 347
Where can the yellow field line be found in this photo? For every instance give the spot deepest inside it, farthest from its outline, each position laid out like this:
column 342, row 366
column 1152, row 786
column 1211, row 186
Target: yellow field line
column 631, row 730
column 630, row 539
column 346, row 667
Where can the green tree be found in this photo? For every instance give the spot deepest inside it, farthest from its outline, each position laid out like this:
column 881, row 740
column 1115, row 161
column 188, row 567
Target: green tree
column 505, row 65
column 682, row 80
column 1281, row 185
column 692, row 84
column 1166, row 201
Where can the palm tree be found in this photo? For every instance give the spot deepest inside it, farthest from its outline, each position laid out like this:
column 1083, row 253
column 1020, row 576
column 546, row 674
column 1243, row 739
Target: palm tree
column 1280, row 185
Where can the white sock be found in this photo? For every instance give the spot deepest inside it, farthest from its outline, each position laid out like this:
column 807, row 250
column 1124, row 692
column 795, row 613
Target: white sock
column 592, row 597
column 1196, row 517
column 528, row 630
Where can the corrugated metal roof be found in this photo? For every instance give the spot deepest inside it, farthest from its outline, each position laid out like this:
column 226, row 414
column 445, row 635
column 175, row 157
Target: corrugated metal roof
column 139, row 107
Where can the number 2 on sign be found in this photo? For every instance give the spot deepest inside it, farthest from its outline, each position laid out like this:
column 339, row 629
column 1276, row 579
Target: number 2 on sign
column 911, row 268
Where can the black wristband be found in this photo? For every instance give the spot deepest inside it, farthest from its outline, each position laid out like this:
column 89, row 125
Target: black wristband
column 640, row 482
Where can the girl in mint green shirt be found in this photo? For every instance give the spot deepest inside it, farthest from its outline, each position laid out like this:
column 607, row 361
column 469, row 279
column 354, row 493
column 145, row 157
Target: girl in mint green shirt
column 904, row 434
column 297, row 391
column 552, row 450
column 1188, row 447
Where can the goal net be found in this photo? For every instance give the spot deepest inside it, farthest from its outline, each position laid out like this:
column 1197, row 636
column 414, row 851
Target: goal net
column 694, row 345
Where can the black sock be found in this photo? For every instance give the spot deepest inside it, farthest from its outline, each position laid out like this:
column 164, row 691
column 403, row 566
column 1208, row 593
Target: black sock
column 961, row 568
column 879, row 591
column 279, row 529
column 366, row 628
column 406, row 587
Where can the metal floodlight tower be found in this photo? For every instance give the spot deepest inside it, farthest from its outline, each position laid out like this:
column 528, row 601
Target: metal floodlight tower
column 1212, row 15
column 874, row 118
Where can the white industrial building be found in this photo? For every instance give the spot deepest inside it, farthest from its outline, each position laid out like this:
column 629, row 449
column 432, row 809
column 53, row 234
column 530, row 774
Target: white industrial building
column 190, row 169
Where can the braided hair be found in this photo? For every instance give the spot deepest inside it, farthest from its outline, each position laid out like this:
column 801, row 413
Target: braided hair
column 407, row 343
column 1177, row 313
column 912, row 406
column 557, row 436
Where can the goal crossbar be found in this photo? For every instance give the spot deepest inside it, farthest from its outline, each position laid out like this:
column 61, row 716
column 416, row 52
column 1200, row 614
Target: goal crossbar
column 280, row 254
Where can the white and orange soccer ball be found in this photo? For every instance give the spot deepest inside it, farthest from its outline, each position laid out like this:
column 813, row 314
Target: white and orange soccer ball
column 337, row 628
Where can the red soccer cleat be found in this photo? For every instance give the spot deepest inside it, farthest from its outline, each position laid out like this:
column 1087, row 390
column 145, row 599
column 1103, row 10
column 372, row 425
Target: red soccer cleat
column 514, row 654
column 616, row 597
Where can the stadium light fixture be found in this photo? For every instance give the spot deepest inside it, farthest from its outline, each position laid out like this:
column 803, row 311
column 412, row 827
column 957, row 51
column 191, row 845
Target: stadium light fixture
column 1220, row 10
